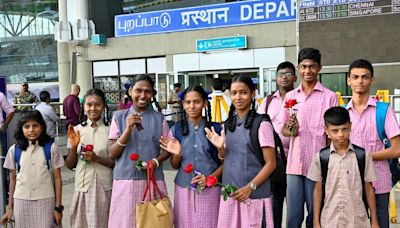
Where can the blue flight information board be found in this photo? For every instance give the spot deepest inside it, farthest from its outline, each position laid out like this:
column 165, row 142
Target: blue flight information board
column 316, row 10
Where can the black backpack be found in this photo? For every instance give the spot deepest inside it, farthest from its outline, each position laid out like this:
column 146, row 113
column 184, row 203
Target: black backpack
column 278, row 177
column 324, row 155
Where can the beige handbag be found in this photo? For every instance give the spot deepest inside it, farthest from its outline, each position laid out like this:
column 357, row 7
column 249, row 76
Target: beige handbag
column 157, row 212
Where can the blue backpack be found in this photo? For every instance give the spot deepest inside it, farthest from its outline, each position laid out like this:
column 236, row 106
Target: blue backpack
column 212, row 150
column 47, row 153
column 381, row 110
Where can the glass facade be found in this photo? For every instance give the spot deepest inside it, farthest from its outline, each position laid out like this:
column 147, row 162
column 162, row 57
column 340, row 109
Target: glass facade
column 28, row 51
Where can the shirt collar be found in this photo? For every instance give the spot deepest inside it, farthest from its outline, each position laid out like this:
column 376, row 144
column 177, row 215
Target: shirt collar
column 202, row 124
column 277, row 94
column 98, row 123
column 371, row 102
column 317, row 87
column 132, row 110
column 349, row 148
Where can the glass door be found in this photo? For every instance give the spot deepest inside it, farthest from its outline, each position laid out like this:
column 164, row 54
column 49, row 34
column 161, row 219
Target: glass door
column 268, row 79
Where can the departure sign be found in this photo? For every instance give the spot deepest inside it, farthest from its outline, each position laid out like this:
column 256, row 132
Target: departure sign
column 316, row 10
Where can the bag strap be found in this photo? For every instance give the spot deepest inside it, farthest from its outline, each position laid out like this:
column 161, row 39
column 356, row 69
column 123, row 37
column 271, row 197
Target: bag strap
column 147, row 186
column 360, row 154
column 269, row 99
column 47, row 153
column 324, row 160
column 151, row 181
column 17, row 157
column 381, row 111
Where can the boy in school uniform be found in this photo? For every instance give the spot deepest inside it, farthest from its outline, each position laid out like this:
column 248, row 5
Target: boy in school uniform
column 363, row 110
column 305, row 129
column 338, row 176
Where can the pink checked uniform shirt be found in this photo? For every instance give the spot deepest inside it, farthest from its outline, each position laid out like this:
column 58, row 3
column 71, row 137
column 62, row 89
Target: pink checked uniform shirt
column 365, row 134
column 311, row 137
column 273, row 112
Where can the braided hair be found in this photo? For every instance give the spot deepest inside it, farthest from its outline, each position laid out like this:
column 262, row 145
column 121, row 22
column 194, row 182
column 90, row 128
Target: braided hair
column 184, row 122
column 232, row 118
column 99, row 93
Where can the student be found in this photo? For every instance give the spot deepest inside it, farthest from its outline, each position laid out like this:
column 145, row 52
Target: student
column 93, row 174
column 251, row 204
column 363, row 111
column 219, row 102
column 135, row 130
column 49, row 115
column 286, row 77
column 35, row 182
column 343, row 204
column 307, row 127
column 192, row 209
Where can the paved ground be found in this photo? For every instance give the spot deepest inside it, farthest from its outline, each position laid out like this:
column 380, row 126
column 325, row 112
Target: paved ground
column 68, row 191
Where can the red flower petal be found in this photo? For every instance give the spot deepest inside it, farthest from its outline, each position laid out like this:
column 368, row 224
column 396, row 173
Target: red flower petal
column 211, row 181
column 134, row 157
column 188, row 168
column 88, row 147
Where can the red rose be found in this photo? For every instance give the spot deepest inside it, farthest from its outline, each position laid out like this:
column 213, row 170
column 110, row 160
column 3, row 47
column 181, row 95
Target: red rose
column 134, row 157
column 88, row 147
column 290, row 103
column 211, row 181
column 188, row 168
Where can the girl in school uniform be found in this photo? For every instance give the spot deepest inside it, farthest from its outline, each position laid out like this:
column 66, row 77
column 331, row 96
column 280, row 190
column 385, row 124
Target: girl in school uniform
column 251, row 204
column 193, row 209
column 135, row 130
column 93, row 174
column 35, row 183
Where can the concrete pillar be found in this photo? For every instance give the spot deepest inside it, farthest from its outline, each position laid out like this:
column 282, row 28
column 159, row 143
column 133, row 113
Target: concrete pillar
column 63, row 70
column 83, row 9
column 83, row 68
column 63, row 54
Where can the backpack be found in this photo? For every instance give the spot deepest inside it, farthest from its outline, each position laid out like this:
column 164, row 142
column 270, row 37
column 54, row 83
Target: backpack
column 47, row 153
column 324, row 155
column 278, row 177
column 381, row 111
column 211, row 148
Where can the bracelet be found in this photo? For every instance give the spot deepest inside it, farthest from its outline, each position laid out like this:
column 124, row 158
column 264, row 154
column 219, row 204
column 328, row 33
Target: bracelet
column 220, row 158
column 156, row 161
column 120, row 144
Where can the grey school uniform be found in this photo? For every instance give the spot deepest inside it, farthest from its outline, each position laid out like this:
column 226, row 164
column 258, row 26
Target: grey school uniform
column 241, row 164
column 192, row 209
column 129, row 183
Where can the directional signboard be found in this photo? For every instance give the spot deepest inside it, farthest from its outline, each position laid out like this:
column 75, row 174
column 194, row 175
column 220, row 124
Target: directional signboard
column 222, row 43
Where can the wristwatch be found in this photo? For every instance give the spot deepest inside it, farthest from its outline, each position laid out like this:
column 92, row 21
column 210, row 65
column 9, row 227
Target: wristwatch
column 253, row 186
column 59, row 209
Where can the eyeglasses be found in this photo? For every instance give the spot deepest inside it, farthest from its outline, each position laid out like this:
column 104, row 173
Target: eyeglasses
column 286, row 74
